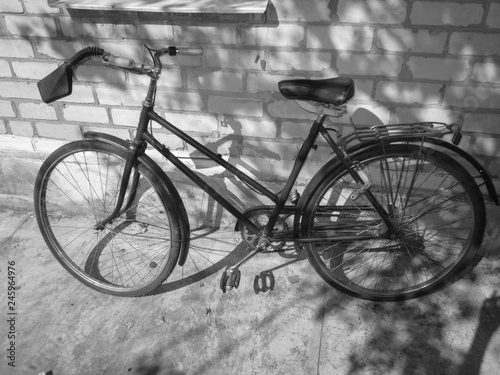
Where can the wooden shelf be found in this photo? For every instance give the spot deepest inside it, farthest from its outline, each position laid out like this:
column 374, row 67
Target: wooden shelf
column 168, row 6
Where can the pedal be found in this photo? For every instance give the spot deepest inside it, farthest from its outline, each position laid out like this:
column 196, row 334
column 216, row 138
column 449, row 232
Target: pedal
column 230, row 279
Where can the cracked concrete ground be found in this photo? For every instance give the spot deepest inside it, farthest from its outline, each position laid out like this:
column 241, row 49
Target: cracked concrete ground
column 301, row 326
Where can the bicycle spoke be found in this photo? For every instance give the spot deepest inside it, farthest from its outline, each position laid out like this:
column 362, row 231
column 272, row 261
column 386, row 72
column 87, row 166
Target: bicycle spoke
column 429, row 208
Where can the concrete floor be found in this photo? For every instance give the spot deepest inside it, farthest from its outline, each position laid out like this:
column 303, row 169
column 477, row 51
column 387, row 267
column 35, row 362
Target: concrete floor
column 189, row 326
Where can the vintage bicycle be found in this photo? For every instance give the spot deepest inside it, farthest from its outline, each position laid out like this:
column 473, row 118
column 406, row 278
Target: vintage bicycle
column 395, row 214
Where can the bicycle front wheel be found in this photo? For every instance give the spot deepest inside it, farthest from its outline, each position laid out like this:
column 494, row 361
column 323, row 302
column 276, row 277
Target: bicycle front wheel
column 434, row 204
column 76, row 188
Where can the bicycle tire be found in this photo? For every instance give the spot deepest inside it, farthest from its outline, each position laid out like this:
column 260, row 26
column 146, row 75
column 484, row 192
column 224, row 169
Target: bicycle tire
column 435, row 204
column 77, row 187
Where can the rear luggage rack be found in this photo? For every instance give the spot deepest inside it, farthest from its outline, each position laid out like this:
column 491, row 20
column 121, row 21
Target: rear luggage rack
column 417, row 130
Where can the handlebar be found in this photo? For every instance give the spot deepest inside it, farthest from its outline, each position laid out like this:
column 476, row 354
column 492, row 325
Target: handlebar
column 130, row 65
column 59, row 83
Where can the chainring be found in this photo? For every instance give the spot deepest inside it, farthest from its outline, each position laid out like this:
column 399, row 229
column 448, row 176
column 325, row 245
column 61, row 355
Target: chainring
column 260, row 218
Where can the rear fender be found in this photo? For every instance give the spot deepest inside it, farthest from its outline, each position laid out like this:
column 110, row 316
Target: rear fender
column 440, row 143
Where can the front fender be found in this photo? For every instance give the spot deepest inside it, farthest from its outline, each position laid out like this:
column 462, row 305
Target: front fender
column 183, row 220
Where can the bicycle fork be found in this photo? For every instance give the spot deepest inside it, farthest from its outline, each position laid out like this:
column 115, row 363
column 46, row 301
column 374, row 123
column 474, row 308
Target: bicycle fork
column 132, row 155
column 135, row 149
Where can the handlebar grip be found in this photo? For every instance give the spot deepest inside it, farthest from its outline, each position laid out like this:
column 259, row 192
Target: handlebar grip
column 84, row 53
column 194, row 51
column 121, row 62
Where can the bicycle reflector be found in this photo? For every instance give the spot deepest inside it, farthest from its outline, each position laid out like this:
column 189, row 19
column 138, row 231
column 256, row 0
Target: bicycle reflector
column 57, row 84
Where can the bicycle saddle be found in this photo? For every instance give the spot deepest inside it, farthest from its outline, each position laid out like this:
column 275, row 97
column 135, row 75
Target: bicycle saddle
column 332, row 90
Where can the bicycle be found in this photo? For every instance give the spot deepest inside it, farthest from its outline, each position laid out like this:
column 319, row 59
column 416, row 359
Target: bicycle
column 393, row 215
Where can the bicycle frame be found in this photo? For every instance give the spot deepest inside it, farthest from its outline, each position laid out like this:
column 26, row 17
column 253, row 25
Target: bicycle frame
column 137, row 147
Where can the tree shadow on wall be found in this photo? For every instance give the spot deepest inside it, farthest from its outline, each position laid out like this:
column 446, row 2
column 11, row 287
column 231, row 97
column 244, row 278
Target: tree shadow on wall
column 410, row 337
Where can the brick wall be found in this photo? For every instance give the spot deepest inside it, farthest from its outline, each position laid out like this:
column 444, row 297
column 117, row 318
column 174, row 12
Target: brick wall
column 411, row 60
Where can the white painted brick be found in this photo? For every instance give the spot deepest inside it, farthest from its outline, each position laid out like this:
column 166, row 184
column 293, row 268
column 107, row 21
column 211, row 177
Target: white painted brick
column 408, row 115
column 288, row 109
column 196, row 35
column 80, row 94
column 270, row 150
column 284, row 35
column 233, row 58
column 403, row 39
column 179, row 101
column 62, row 50
column 248, row 128
column 127, row 117
column 21, row 128
column 482, row 123
column 39, row 7
column 82, row 113
column 31, row 26
column 445, row 13
column 5, row 69
column 486, row 146
column 182, row 60
column 308, row 61
column 219, row 145
column 59, row 130
column 369, row 64
column 467, row 43
column 37, row 111
column 363, row 89
column 493, row 19
column 171, row 141
column 32, row 69
column 135, row 97
column 235, row 106
column 206, row 123
column 472, row 98
column 294, row 130
column 6, row 109
column 350, row 38
column 293, row 10
column 98, row 73
column 259, row 82
column 16, row 89
column 438, row 68
column 74, row 28
column 120, row 96
column 15, row 48
column 12, row 6
column 373, row 11
column 215, row 81
column 486, row 72
column 408, row 92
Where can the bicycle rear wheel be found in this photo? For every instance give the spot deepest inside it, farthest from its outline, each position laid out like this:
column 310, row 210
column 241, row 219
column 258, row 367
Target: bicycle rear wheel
column 76, row 188
column 432, row 201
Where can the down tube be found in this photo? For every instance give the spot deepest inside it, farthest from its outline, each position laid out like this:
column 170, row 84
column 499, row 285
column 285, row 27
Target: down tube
column 211, row 155
column 199, row 181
